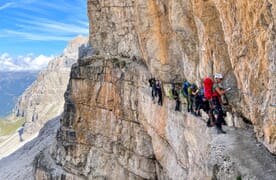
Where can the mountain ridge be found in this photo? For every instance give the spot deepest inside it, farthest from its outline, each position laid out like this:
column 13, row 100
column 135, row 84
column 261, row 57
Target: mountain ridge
column 44, row 100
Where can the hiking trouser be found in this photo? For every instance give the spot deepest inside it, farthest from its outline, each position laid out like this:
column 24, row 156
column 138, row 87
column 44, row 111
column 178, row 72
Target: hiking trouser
column 210, row 109
column 159, row 93
column 153, row 92
column 177, row 104
column 218, row 112
column 205, row 106
column 160, row 100
column 189, row 101
column 198, row 103
column 192, row 103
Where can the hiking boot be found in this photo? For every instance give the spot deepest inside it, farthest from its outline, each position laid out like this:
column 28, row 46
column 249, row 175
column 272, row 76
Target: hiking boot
column 220, row 131
column 209, row 125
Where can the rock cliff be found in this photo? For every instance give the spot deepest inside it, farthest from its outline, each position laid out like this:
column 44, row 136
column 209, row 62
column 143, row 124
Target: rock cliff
column 44, row 99
column 193, row 39
column 112, row 130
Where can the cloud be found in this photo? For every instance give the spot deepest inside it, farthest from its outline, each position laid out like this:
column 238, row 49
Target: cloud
column 40, row 29
column 57, row 27
column 5, row 56
column 36, row 37
column 23, row 63
column 40, row 61
column 6, row 5
column 83, row 23
column 52, row 26
column 62, row 27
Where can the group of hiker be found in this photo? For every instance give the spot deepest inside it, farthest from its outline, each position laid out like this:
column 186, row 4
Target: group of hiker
column 156, row 90
column 209, row 97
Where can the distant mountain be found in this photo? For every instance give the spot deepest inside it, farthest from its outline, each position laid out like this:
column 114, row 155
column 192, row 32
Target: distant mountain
column 12, row 85
column 44, row 99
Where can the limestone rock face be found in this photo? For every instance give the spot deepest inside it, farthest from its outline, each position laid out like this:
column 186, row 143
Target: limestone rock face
column 111, row 129
column 102, row 133
column 44, row 99
column 193, row 39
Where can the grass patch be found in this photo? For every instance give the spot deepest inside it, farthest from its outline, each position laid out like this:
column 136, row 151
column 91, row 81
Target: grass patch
column 10, row 124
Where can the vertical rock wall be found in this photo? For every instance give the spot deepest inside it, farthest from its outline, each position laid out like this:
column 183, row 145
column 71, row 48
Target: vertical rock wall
column 111, row 129
column 193, row 39
column 101, row 135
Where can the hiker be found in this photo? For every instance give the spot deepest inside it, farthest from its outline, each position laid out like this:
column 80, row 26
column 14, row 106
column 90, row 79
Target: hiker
column 152, row 83
column 184, row 92
column 159, row 92
column 173, row 93
column 200, row 102
column 192, row 91
column 203, row 103
column 216, row 101
column 20, row 133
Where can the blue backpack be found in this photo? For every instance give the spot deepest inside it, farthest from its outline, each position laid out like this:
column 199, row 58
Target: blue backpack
column 201, row 93
column 185, row 88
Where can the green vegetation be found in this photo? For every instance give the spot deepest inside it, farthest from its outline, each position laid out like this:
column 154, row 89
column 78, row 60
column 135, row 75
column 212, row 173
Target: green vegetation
column 118, row 63
column 10, row 124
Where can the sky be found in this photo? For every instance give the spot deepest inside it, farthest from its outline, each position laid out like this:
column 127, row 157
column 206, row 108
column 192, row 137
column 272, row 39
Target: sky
column 34, row 31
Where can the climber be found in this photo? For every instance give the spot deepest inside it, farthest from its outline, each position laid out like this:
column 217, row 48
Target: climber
column 152, row 83
column 173, row 94
column 20, row 133
column 159, row 92
column 216, row 102
column 184, row 92
column 200, row 102
column 192, row 91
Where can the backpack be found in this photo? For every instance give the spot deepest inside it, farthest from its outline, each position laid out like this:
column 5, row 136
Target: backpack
column 208, row 88
column 152, row 82
column 201, row 93
column 185, row 87
column 171, row 94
